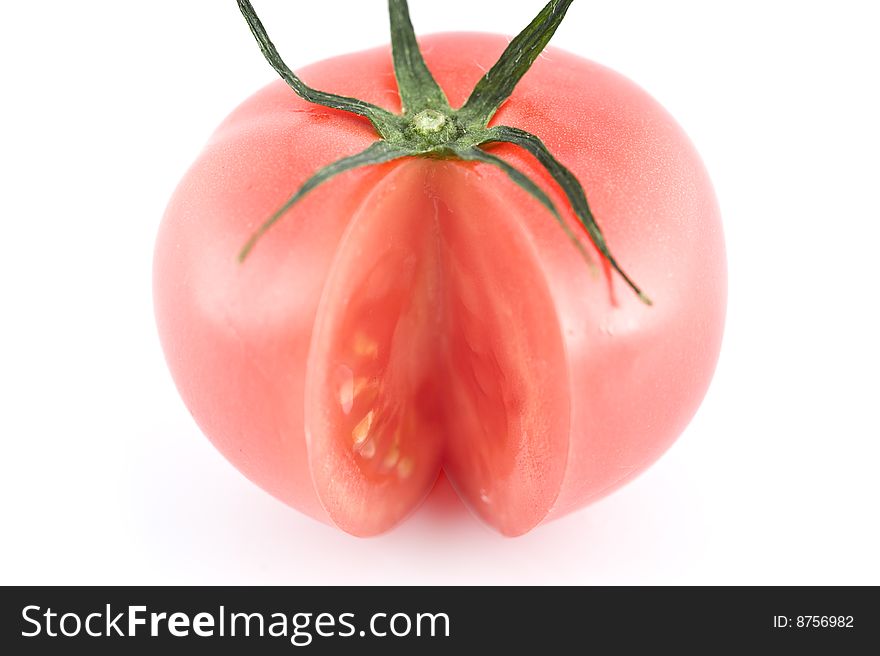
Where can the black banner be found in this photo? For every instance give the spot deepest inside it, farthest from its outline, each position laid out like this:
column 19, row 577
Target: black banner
column 334, row 620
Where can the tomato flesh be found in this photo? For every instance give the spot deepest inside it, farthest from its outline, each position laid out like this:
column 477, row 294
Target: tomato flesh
column 373, row 429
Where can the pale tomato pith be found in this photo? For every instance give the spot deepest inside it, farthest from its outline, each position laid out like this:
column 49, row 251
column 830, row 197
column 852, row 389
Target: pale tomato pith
column 425, row 315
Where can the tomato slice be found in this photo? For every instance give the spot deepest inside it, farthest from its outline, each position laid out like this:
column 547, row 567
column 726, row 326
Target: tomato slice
column 436, row 346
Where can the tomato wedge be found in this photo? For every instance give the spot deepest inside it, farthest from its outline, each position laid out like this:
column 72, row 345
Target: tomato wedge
column 436, row 344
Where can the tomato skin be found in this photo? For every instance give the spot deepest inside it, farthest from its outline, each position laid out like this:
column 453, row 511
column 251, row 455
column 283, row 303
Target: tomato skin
column 638, row 373
column 237, row 337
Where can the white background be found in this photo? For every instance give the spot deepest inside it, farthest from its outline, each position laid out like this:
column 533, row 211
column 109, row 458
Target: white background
column 105, row 477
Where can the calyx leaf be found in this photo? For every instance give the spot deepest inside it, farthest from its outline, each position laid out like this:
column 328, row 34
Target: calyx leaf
column 418, row 89
column 496, row 86
column 429, row 127
column 377, row 153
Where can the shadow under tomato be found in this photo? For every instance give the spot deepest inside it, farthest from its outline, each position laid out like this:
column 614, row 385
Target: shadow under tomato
column 443, row 504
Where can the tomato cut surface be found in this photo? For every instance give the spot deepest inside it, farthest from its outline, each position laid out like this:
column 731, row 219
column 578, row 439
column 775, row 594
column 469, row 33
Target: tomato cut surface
column 373, row 422
column 436, row 345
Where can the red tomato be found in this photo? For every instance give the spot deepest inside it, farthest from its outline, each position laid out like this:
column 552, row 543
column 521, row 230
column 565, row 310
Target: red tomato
column 424, row 315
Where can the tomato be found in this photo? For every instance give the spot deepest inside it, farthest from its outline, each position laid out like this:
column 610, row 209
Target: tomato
column 426, row 314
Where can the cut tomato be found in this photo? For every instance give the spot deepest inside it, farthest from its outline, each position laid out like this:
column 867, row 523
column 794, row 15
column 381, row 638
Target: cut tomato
column 428, row 313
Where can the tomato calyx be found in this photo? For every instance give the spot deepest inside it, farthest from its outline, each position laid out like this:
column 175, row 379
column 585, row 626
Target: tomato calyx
column 429, row 127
